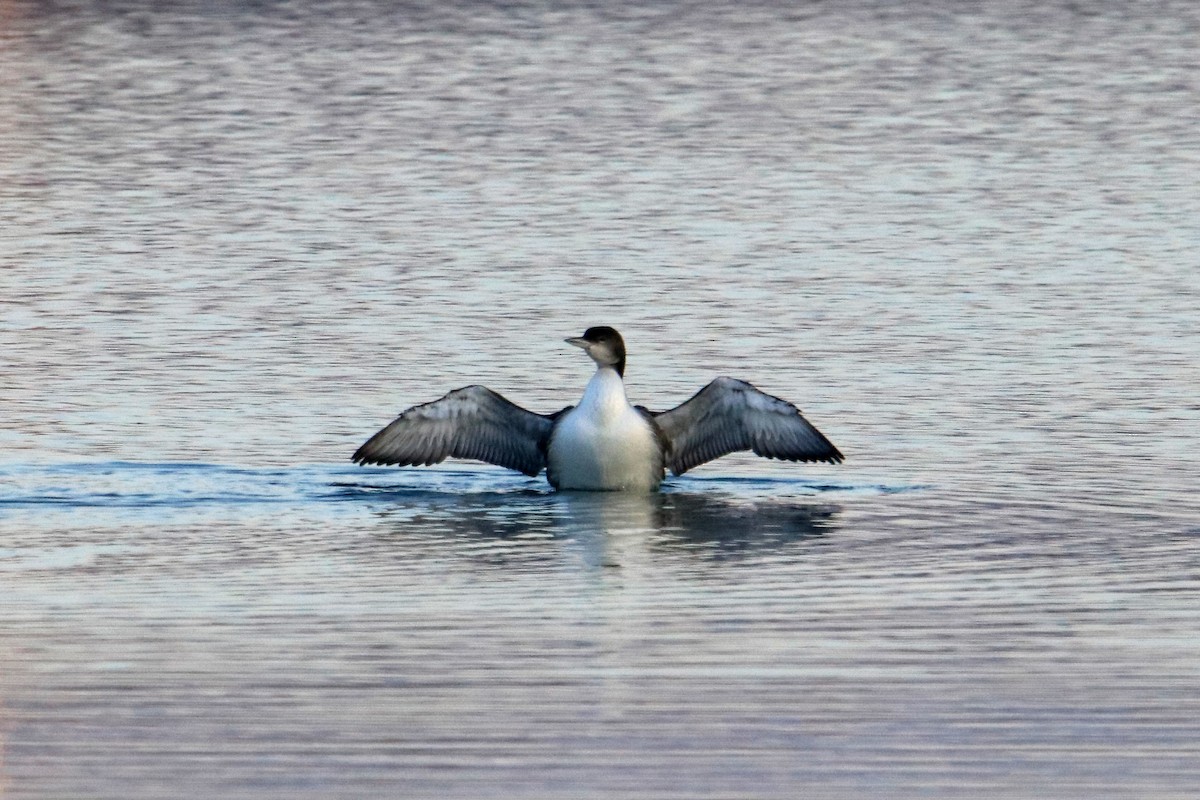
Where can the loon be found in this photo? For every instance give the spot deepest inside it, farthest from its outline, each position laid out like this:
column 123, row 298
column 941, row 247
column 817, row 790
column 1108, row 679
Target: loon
column 604, row 442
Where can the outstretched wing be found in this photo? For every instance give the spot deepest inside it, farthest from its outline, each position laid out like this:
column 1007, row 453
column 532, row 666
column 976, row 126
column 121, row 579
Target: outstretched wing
column 730, row 415
column 472, row 422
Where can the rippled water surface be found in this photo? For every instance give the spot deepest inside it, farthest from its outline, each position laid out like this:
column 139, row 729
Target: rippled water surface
column 236, row 239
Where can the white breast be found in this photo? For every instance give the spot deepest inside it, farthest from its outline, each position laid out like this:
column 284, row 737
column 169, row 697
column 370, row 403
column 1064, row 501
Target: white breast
column 604, row 443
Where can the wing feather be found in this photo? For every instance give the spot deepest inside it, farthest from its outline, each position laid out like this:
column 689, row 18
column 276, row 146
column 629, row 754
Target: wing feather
column 473, row 422
column 729, row 415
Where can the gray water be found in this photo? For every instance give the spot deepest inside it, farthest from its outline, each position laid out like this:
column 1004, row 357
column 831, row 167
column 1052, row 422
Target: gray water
column 238, row 238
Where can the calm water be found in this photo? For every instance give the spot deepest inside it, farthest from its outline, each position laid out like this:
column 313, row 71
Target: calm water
column 236, row 239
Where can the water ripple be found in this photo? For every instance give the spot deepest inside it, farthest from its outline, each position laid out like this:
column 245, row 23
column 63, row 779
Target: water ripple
column 185, row 485
column 961, row 235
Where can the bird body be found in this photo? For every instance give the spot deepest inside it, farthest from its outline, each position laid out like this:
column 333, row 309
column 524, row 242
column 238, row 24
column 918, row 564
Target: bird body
column 604, row 442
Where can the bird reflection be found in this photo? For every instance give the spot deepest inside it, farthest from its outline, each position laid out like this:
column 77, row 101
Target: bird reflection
column 599, row 526
column 701, row 521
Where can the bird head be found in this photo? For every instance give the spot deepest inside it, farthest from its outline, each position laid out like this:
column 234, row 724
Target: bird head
column 604, row 345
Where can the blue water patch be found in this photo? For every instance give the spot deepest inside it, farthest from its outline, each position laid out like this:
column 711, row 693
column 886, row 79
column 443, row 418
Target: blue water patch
column 127, row 485
column 757, row 485
column 123, row 484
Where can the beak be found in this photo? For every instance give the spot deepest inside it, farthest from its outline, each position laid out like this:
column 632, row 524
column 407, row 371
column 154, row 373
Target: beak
column 578, row 341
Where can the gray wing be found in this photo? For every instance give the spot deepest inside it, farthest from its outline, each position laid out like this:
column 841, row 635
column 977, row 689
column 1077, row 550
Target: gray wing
column 472, row 422
column 730, row 415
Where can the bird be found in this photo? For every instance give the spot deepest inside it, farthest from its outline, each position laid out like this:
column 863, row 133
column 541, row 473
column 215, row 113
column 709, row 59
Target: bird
column 603, row 442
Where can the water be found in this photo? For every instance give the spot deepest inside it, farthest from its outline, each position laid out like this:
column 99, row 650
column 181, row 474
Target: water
column 236, row 239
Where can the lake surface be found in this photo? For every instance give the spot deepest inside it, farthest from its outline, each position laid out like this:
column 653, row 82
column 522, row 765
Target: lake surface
column 238, row 238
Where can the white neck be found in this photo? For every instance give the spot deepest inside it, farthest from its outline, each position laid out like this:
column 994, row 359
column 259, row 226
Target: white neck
column 605, row 394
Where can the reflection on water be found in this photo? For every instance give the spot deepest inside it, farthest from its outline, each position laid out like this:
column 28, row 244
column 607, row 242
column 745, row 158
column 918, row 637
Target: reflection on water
column 707, row 525
column 704, row 523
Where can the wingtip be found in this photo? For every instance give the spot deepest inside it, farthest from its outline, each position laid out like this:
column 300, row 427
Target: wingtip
column 363, row 457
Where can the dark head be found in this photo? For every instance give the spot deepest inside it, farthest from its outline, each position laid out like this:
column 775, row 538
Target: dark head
column 604, row 345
